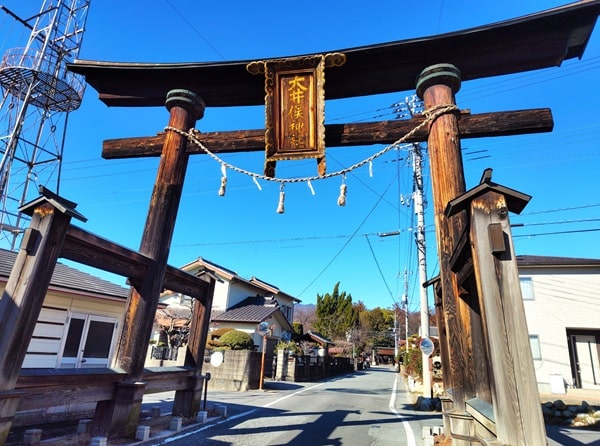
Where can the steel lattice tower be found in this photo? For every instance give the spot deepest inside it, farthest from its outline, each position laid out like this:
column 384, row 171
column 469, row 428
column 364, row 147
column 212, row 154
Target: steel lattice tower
column 38, row 93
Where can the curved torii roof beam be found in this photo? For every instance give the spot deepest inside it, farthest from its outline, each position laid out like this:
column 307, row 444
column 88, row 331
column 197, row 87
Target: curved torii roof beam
column 531, row 42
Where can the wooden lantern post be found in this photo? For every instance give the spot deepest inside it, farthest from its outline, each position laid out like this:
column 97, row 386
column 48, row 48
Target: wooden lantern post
column 21, row 303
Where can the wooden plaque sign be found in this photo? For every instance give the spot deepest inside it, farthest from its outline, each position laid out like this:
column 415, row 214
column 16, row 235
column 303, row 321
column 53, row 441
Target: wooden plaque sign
column 295, row 108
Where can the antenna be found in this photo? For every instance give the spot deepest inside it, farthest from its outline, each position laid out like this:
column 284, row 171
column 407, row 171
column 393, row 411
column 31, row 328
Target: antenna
column 38, row 93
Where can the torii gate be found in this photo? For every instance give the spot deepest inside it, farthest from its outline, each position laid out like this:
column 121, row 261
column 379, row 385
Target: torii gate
column 474, row 411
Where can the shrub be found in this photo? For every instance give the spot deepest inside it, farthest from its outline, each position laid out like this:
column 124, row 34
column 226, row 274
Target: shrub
column 289, row 346
column 214, row 337
column 237, row 340
column 216, row 334
column 414, row 362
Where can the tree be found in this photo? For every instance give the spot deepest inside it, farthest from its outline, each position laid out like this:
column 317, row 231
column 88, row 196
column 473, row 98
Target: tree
column 336, row 316
column 298, row 330
column 377, row 328
column 305, row 315
column 174, row 322
column 214, row 337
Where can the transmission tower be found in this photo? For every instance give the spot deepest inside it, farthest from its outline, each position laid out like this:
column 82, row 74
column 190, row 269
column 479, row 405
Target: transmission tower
column 38, row 93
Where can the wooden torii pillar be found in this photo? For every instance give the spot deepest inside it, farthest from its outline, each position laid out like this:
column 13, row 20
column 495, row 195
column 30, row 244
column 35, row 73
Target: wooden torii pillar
column 437, row 85
column 119, row 416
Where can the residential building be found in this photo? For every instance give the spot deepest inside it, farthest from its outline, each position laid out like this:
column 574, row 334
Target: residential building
column 560, row 296
column 244, row 303
column 80, row 320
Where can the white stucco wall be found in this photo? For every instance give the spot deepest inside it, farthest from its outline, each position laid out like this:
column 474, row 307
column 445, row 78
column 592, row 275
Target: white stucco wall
column 563, row 300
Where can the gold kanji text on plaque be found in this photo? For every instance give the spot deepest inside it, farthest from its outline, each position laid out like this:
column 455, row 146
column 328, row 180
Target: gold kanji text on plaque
column 295, row 108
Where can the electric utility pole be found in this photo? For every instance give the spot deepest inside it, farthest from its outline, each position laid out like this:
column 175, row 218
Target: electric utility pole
column 411, row 107
column 420, row 235
column 405, row 305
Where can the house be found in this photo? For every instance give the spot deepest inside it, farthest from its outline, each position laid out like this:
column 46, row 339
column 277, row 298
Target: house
column 243, row 303
column 80, row 320
column 249, row 313
column 560, row 296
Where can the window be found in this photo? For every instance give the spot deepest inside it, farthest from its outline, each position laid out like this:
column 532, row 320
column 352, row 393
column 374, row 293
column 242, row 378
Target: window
column 534, row 341
column 527, row 288
column 89, row 341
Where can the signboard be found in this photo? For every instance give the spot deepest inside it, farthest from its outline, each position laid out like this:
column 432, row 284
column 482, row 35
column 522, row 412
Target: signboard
column 295, row 108
column 216, row 359
column 426, row 346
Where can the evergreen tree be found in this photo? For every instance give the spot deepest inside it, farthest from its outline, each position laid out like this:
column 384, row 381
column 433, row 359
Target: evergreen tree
column 336, row 315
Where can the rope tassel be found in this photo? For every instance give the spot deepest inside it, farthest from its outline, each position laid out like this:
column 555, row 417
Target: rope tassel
column 223, row 181
column 342, row 198
column 280, row 206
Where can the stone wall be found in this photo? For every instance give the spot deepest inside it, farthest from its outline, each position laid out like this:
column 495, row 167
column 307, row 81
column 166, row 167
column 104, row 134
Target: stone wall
column 240, row 371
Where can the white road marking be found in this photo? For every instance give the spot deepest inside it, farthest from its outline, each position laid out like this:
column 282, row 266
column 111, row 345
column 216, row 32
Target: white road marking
column 410, row 435
column 292, row 394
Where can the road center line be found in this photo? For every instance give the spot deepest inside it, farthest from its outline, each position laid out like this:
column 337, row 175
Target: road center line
column 291, row 395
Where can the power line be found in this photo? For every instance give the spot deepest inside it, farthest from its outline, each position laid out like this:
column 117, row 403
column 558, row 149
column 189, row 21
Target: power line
column 191, row 25
column 346, row 243
column 575, row 231
column 379, row 269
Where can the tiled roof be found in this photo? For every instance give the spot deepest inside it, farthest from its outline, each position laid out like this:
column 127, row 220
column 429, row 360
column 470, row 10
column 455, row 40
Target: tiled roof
column 201, row 264
column 317, row 337
column 66, row 277
column 257, row 300
column 247, row 313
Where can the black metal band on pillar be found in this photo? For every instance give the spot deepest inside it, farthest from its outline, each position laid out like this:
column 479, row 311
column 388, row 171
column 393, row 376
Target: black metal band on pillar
column 188, row 100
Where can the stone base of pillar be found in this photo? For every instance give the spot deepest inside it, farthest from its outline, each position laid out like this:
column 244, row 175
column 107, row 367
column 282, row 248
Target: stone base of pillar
column 142, row 433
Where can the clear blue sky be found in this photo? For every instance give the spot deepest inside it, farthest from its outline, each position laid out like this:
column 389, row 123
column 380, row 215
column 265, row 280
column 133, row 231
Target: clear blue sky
column 315, row 243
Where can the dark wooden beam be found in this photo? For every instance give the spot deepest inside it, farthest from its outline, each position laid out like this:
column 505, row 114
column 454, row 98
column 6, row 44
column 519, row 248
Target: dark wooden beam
column 42, row 388
column 344, row 135
column 89, row 249
column 526, row 43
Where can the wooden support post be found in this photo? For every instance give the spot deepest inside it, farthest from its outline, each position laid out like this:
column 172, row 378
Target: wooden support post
column 25, row 291
column 120, row 415
column 437, row 85
column 188, row 402
column 515, row 397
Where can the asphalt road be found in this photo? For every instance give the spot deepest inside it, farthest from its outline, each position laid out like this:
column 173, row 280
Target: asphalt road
column 371, row 407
